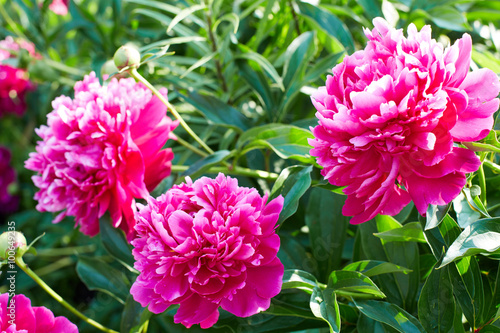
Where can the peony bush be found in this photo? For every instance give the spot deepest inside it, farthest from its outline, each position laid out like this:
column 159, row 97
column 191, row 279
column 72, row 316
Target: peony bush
column 269, row 166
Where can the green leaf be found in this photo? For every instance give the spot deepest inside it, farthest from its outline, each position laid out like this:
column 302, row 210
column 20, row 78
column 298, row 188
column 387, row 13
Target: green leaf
column 389, row 314
column 205, row 163
column 172, row 41
column 353, row 284
column 98, row 275
column 217, row 111
column 410, row 232
column 372, row 8
column 257, row 81
column 465, row 213
column 375, row 267
column 288, row 142
column 295, row 278
column 447, row 17
column 199, row 63
column 297, row 55
column 133, row 316
column 324, row 305
column 280, row 308
column 183, row 14
column 327, row 228
column 483, row 236
column 329, row 23
column 230, row 17
column 292, row 183
column 322, row 66
column 435, row 214
column 436, row 305
column 248, row 54
column 468, row 288
column 115, row 243
column 490, row 329
column 486, row 59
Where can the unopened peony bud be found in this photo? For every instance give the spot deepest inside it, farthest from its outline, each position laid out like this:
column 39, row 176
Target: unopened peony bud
column 12, row 244
column 127, row 56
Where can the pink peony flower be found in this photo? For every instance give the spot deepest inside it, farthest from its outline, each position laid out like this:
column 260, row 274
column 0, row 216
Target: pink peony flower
column 17, row 315
column 101, row 150
column 388, row 118
column 208, row 244
column 8, row 203
column 59, row 7
column 14, row 82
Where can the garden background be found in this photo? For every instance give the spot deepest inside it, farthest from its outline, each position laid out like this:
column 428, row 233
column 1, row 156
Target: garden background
column 240, row 73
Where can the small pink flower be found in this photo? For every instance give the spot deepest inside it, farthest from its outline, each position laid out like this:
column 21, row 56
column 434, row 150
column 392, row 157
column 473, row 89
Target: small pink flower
column 59, row 7
column 100, row 151
column 389, row 117
column 8, row 203
column 17, row 315
column 206, row 244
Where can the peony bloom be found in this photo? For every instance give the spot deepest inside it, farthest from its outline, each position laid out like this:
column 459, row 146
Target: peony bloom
column 17, row 315
column 59, row 7
column 101, row 150
column 8, row 203
column 389, row 117
column 14, row 82
column 204, row 244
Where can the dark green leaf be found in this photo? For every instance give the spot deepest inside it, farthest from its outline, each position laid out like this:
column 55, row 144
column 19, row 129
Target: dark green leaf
column 410, row 232
column 353, row 284
column 133, row 316
column 98, row 275
column 483, row 236
column 114, row 241
column 297, row 56
column 294, row 278
column 292, row 183
column 324, row 305
column 258, row 82
column 434, row 216
column 205, row 163
column 436, row 305
column 375, row 267
column 390, row 314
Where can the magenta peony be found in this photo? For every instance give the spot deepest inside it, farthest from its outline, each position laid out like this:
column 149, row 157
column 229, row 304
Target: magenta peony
column 206, row 244
column 14, row 82
column 389, row 116
column 101, row 150
column 17, row 315
column 59, row 7
column 8, row 202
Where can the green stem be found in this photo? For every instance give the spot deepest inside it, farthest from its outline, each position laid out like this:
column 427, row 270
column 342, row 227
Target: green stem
column 66, row 251
column 57, row 297
column 239, row 171
column 10, row 22
column 177, row 116
column 483, row 146
column 63, row 68
column 191, row 147
column 482, row 183
column 493, row 166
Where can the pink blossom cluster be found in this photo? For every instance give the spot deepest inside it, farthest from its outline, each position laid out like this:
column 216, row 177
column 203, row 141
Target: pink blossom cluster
column 390, row 115
column 59, row 7
column 100, row 151
column 8, row 202
column 18, row 316
column 14, row 82
column 206, row 244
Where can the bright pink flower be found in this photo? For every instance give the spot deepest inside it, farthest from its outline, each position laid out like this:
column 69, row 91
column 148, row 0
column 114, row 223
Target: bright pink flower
column 14, row 82
column 17, row 315
column 8, row 203
column 101, row 150
column 388, row 118
column 59, row 7
column 208, row 244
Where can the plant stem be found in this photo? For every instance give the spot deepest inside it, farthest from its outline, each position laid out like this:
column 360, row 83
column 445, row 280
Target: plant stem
column 483, row 146
column 214, row 49
column 191, row 147
column 493, row 166
column 482, row 182
column 57, row 297
column 295, row 18
column 239, row 171
column 135, row 74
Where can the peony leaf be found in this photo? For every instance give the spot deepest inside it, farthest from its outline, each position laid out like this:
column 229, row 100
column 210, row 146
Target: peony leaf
column 324, row 305
column 258, row 82
column 436, row 305
column 389, row 314
column 183, row 14
column 205, row 163
column 292, row 183
column 435, row 214
column 327, row 228
column 133, row 316
column 482, row 236
column 288, row 142
column 297, row 54
column 410, row 232
column 295, row 278
column 113, row 240
column 98, row 275
column 375, row 267
column 353, row 284
column 248, row 54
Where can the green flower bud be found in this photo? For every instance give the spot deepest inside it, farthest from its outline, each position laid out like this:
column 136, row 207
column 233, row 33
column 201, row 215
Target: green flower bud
column 127, row 56
column 108, row 68
column 12, row 244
